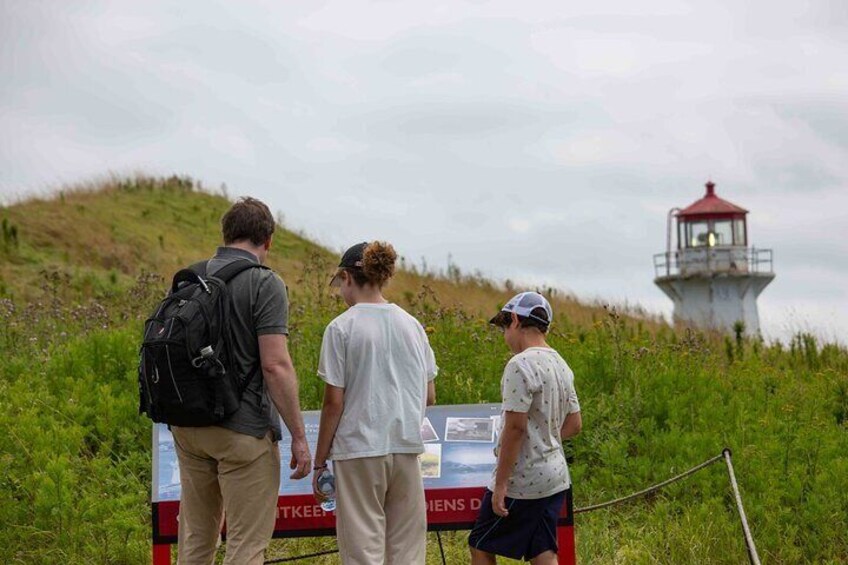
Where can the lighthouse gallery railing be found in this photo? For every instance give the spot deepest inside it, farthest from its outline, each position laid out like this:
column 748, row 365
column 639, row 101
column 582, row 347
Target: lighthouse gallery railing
column 713, row 260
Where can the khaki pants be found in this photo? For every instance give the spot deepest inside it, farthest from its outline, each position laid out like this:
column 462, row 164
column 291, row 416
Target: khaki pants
column 381, row 516
column 225, row 472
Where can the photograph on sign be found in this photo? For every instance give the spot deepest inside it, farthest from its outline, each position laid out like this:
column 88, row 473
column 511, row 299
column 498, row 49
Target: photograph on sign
column 167, row 485
column 496, row 423
column 431, row 461
column 428, row 432
column 467, row 464
column 470, row 429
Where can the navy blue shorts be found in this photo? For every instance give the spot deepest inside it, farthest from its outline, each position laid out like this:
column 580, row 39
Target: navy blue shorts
column 529, row 530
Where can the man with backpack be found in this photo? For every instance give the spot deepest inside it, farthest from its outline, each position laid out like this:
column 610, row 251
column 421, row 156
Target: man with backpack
column 215, row 366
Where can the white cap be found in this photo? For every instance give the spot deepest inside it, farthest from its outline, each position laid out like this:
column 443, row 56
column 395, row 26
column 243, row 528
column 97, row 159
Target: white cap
column 524, row 303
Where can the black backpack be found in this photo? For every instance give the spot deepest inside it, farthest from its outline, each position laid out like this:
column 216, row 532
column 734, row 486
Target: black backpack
column 185, row 373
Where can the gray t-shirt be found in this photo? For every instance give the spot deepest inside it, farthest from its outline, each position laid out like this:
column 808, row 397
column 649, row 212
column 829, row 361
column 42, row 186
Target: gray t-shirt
column 260, row 307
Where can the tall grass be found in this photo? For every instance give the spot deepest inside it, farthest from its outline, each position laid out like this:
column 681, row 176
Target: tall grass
column 75, row 464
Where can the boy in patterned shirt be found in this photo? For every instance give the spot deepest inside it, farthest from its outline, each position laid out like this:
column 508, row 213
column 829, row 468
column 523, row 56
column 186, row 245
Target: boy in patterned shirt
column 519, row 511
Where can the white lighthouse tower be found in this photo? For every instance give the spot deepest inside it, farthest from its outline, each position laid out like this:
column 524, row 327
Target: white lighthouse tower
column 712, row 275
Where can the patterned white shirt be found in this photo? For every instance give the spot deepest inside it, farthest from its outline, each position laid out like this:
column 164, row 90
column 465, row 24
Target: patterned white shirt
column 539, row 382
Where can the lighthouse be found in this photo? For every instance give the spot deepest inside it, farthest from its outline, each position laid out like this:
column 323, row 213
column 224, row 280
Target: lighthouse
column 711, row 274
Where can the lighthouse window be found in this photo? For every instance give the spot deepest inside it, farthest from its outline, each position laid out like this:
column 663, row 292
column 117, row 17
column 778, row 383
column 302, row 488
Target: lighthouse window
column 697, row 234
column 739, row 232
column 723, row 231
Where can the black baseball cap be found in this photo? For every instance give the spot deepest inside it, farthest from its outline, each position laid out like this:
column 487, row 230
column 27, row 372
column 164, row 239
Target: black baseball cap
column 352, row 259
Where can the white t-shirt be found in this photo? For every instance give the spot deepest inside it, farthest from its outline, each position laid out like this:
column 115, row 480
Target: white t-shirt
column 539, row 382
column 382, row 358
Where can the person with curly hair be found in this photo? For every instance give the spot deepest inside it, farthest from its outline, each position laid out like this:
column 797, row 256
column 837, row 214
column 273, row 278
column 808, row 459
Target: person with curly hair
column 378, row 369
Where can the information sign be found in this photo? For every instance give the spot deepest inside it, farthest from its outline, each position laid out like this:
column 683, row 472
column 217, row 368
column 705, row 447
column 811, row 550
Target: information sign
column 457, row 465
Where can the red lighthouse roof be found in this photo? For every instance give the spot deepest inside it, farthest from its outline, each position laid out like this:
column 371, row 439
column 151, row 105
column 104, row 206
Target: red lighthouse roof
column 712, row 205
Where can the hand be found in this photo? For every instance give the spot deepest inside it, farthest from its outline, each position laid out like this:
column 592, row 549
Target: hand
column 498, row 501
column 319, row 496
column 301, row 460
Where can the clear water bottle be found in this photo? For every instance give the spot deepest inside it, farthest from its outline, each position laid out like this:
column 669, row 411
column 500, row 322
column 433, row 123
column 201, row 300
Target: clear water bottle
column 327, row 486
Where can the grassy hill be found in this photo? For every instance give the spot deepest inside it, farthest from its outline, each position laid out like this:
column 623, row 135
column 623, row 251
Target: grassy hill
column 102, row 237
column 76, row 278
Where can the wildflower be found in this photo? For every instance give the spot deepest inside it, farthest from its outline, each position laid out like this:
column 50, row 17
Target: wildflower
column 430, row 329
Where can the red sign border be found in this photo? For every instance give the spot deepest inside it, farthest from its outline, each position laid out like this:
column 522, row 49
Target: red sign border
column 164, row 515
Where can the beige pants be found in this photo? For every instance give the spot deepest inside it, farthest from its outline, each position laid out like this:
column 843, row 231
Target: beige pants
column 222, row 471
column 381, row 516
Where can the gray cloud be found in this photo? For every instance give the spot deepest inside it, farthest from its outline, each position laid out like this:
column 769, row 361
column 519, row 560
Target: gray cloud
column 542, row 142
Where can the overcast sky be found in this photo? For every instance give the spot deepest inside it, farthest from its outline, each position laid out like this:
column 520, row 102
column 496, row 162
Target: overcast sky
column 543, row 141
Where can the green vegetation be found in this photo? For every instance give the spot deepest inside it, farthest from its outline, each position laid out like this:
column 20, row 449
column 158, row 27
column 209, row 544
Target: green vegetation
column 75, row 457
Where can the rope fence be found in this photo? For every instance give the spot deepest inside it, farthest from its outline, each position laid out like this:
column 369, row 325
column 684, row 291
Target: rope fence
column 725, row 455
column 650, row 489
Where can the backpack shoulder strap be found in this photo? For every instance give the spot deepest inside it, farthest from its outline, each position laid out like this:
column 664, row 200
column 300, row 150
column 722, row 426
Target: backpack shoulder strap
column 226, row 274
column 229, row 271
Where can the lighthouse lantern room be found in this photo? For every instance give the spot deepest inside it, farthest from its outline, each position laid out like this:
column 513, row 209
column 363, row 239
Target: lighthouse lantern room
column 712, row 275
